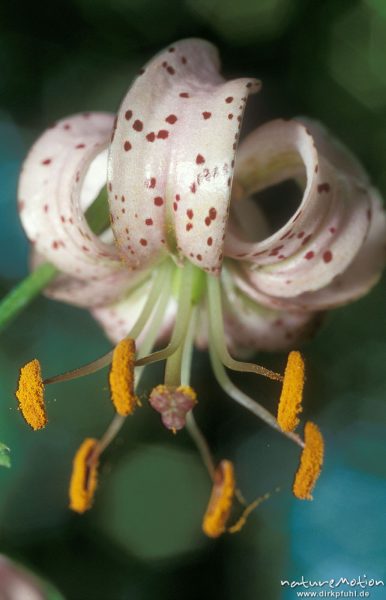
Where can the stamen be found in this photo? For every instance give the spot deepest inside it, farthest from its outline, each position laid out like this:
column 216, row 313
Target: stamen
column 146, row 347
column 161, row 280
column 290, row 404
column 173, row 403
column 121, row 378
column 234, row 392
column 201, row 443
column 30, row 394
column 220, row 503
column 84, row 478
column 310, row 462
column 217, row 333
column 236, row 527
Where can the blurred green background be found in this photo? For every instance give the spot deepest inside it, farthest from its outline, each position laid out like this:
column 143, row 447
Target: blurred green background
column 143, row 540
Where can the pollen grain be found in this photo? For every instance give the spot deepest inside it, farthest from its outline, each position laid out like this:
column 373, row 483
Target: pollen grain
column 290, row 404
column 121, row 378
column 30, row 394
column 311, row 462
column 84, row 477
column 220, row 503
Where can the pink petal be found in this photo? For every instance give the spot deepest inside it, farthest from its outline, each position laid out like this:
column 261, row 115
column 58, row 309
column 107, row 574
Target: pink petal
column 171, row 159
column 329, row 227
column 119, row 317
column 93, row 291
column 360, row 276
column 250, row 326
column 62, row 174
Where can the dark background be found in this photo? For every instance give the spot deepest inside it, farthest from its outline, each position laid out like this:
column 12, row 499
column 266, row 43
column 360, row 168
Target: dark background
column 142, row 540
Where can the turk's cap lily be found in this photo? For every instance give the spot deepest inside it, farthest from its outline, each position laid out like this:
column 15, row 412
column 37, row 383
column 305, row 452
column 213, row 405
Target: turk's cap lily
column 185, row 255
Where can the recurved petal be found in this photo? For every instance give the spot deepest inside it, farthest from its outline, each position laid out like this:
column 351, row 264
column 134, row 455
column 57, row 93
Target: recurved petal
column 329, row 227
column 172, row 157
column 364, row 271
column 62, row 175
column 93, row 291
column 249, row 326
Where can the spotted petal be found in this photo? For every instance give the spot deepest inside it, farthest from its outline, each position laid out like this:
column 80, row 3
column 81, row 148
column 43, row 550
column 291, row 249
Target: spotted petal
column 62, row 174
column 172, row 157
column 330, row 226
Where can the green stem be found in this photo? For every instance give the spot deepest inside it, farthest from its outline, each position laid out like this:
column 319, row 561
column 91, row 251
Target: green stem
column 25, row 292
column 97, row 216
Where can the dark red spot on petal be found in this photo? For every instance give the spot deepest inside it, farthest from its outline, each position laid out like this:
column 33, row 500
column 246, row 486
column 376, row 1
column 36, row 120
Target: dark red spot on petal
column 306, row 240
column 193, row 188
column 150, row 136
column 230, row 116
column 46, row 161
column 199, row 257
column 177, row 197
column 171, row 119
column 309, row 255
column 175, row 206
column 149, row 222
column 138, row 125
column 327, row 256
column 158, row 201
column 275, row 251
column 189, row 213
column 323, row 187
column 184, row 95
column 200, row 159
column 209, row 241
column 143, row 242
column 286, row 234
column 206, row 114
column 152, row 182
column 229, row 99
column 212, row 213
column 127, row 146
column 128, row 115
column 170, row 70
column 162, row 134
column 189, row 226
column 80, row 146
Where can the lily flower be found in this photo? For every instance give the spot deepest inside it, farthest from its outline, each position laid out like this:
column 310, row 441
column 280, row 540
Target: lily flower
column 188, row 258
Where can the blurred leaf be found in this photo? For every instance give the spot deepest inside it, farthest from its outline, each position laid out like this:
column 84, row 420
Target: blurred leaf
column 5, row 460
